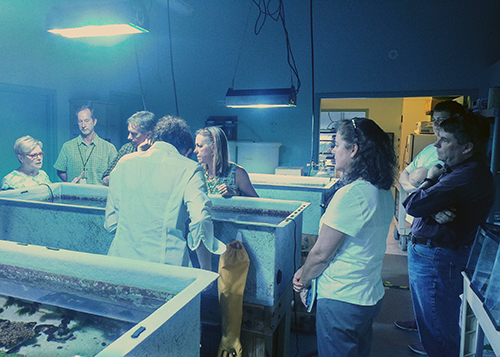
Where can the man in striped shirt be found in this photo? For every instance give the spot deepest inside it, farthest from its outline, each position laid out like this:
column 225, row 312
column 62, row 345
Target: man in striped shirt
column 85, row 158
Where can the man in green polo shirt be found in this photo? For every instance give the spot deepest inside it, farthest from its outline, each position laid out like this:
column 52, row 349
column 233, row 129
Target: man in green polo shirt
column 85, row 158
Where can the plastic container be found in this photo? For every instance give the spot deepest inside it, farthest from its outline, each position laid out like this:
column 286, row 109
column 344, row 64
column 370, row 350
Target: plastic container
column 261, row 158
column 483, row 257
column 484, row 267
column 492, row 295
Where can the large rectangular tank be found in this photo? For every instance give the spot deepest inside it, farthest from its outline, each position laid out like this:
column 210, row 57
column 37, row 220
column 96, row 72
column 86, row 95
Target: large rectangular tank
column 315, row 190
column 271, row 229
column 61, row 215
column 271, row 232
column 158, row 298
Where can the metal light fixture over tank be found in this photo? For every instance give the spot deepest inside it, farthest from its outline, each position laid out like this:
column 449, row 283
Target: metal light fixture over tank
column 272, row 97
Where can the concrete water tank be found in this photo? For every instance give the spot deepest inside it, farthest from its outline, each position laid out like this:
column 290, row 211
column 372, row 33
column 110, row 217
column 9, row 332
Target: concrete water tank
column 262, row 158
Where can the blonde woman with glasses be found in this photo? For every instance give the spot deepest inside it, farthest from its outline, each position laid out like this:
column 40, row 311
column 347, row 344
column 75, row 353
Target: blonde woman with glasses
column 221, row 175
column 30, row 155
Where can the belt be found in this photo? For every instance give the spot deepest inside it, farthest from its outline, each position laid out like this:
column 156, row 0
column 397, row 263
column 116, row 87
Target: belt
column 432, row 243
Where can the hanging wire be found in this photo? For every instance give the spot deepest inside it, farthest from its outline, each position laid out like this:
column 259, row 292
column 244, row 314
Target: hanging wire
column 139, row 76
column 264, row 12
column 332, row 123
column 276, row 15
column 158, row 59
column 241, row 45
column 172, row 59
column 140, row 9
column 290, row 57
column 312, row 80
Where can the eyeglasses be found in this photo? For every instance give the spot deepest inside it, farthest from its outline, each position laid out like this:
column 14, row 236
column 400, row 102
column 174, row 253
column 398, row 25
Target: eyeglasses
column 355, row 127
column 34, row 156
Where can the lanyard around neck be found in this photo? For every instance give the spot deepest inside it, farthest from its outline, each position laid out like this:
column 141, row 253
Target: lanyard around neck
column 88, row 158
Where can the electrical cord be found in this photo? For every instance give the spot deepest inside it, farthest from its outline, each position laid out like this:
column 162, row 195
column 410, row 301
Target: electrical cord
column 140, row 5
column 290, row 57
column 278, row 14
column 294, row 295
column 172, row 58
column 158, row 51
column 241, row 45
column 315, row 353
column 50, row 190
column 313, row 104
column 139, row 76
column 263, row 11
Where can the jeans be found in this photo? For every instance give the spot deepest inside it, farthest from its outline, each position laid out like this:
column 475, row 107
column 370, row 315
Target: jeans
column 344, row 329
column 436, row 284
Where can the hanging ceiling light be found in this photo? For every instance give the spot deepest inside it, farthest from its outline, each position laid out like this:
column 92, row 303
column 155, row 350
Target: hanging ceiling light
column 100, row 19
column 266, row 98
column 261, row 98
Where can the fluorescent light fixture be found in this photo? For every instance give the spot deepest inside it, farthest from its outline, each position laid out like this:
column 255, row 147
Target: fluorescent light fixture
column 98, row 31
column 261, row 98
column 97, row 20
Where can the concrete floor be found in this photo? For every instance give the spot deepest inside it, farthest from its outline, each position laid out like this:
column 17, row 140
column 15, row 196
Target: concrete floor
column 388, row 341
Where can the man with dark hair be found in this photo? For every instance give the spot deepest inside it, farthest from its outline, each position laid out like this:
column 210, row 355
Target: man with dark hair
column 152, row 194
column 140, row 129
column 411, row 177
column 438, row 252
column 176, row 132
column 85, row 158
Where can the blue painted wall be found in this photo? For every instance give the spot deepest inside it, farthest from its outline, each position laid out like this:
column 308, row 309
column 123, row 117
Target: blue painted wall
column 397, row 47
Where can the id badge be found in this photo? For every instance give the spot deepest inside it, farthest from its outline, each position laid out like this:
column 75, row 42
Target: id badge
column 83, row 180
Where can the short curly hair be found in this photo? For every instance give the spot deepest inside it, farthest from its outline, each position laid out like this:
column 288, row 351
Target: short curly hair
column 174, row 131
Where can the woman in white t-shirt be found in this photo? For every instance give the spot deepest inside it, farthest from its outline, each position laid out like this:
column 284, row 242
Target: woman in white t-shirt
column 347, row 258
column 30, row 155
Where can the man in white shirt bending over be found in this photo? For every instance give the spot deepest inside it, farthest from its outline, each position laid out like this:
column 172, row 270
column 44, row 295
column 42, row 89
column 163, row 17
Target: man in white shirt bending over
column 151, row 196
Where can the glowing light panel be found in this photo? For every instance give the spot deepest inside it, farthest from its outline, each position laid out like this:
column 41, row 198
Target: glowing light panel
column 99, row 31
column 261, row 98
column 97, row 20
column 260, row 105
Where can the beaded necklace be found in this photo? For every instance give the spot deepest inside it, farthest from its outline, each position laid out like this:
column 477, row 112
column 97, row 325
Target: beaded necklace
column 212, row 183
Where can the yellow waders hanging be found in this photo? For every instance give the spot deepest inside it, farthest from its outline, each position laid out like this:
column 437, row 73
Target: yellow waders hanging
column 233, row 269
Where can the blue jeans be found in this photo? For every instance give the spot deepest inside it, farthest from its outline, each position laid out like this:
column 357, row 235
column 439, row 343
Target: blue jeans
column 436, row 284
column 344, row 329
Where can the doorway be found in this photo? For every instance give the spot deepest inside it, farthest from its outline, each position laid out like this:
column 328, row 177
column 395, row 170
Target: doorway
column 396, row 114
